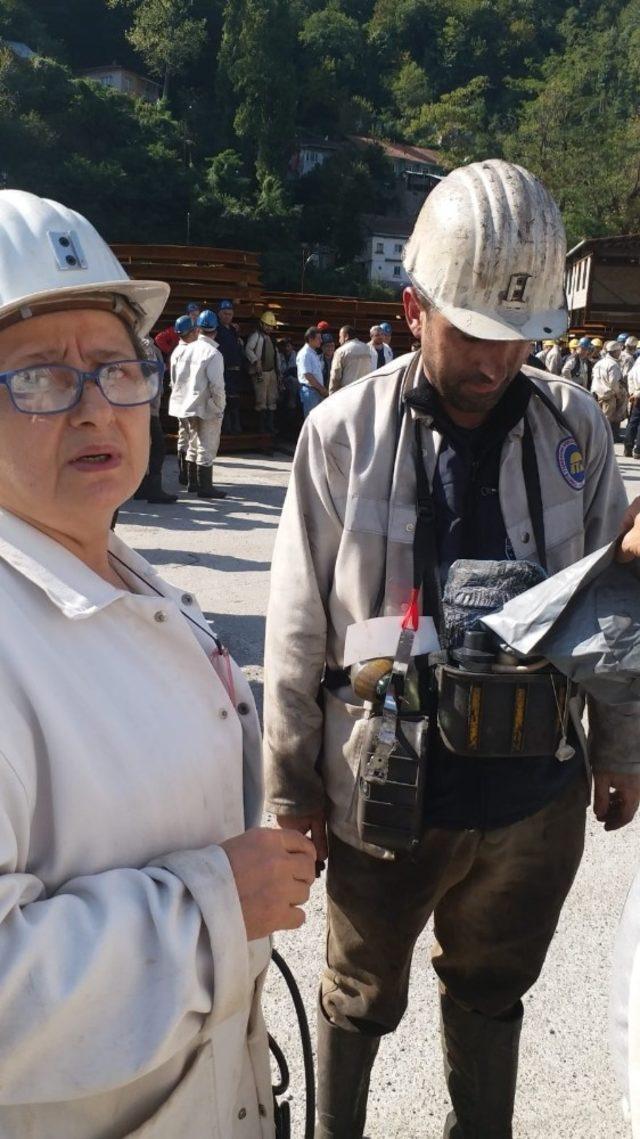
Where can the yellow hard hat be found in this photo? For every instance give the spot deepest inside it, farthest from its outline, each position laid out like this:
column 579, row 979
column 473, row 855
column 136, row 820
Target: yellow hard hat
column 574, row 343
column 269, row 319
column 548, row 343
column 596, row 341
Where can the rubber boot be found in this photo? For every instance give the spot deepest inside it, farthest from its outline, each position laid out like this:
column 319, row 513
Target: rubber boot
column 235, row 419
column 270, row 422
column 192, row 477
column 262, row 423
column 182, row 468
column 205, row 486
column 481, row 1068
column 345, row 1060
column 156, row 493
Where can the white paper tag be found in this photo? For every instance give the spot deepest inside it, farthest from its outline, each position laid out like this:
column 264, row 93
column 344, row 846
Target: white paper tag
column 378, row 637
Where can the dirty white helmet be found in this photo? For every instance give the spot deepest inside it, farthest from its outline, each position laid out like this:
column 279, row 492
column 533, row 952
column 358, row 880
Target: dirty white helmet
column 52, row 258
column 488, row 251
column 631, row 342
column 613, row 347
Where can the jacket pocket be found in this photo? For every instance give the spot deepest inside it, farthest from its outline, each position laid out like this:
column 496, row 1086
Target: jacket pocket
column 189, row 1110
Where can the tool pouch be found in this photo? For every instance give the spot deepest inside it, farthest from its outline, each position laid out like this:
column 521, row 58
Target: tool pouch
column 501, row 715
column 390, row 793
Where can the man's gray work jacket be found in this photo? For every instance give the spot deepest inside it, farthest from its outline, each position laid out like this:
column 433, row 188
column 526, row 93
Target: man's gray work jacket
column 345, row 543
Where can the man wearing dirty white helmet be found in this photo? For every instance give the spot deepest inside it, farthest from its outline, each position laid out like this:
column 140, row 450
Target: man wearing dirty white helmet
column 508, row 463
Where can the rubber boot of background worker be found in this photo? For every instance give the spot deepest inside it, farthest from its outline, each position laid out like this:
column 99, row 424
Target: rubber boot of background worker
column 345, row 1060
column 205, row 487
column 155, row 492
column 481, row 1068
column 181, row 448
column 182, row 468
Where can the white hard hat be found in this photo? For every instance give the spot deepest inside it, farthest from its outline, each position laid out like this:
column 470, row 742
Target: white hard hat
column 613, row 347
column 631, row 342
column 52, row 257
column 488, row 251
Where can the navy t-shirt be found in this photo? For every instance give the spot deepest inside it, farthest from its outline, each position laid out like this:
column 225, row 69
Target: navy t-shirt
column 464, row 792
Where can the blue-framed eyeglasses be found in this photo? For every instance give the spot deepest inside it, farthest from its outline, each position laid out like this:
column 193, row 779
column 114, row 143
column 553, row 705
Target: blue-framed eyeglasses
column 47, row 389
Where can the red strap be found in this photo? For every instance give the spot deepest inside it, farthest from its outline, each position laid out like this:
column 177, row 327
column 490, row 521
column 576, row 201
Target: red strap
column 411, row 619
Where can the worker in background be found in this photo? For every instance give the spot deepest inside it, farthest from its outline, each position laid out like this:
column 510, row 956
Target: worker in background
column 352, row 360
column 232, row 349
column 262, row 355
column 323, row 326
column 509, row 464
column 628, row 355
column 387, row 332
column 577, row 366
column 327, row 352
column 197, row 395
column 186, row 333
column 381, row 353
column 597, row 345
column 193, row 312
column 312, row 388
column 554, row 358
column 608, row 387
column 632, row 433
column 151, row 489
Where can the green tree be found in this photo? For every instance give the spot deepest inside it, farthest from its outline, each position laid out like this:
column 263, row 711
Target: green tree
column 256, row 68
column 166, row 36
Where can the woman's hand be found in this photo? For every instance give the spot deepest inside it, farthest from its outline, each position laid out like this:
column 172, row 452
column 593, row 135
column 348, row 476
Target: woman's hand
column 274, row 871
column 629, row 547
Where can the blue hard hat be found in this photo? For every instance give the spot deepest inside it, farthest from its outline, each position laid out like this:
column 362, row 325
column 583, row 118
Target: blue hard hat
column 622, row 337
column 225, row 304
column 386, row 327
column 193, row 306
column 207, row 319
column 183, row 325
column 584, row 342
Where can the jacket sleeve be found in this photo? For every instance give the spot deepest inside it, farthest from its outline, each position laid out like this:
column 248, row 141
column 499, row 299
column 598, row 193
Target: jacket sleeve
column 114, row 973
column 215, row 382
column 252, row 349
column 305, row 553
column 335, row 377
column 614, row 731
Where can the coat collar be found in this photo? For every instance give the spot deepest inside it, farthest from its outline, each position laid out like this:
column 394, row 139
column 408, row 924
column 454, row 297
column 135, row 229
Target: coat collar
column 68, row 583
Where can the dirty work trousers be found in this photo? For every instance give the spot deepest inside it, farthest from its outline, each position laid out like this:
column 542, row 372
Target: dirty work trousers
column 496, row 897
column 204, row 440
column 265, row 387
column 183, row 435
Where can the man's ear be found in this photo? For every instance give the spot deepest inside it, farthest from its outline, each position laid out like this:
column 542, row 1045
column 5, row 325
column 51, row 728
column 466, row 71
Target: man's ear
column 412, row 311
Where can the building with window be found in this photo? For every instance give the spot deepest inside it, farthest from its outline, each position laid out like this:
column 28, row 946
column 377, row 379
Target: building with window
column 126, row 81
column 383, row 250
column 311, row 153
column 603, row 283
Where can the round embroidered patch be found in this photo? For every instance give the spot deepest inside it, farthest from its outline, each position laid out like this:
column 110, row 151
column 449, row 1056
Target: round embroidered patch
column 571, row 463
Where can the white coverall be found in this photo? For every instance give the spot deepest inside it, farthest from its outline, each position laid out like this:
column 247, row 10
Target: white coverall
column 608, row 388
column 198, row 395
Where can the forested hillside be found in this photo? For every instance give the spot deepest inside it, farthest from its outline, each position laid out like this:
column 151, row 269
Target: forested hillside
column 555, row 88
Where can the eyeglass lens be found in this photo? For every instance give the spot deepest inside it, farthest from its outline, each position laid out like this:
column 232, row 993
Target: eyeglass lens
column 51, row 387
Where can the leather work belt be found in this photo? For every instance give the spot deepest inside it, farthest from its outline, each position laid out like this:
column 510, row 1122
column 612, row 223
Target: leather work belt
column 513, row 715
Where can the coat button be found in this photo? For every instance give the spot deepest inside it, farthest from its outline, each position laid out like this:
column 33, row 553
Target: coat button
column 187, row 599
column 243, row 709
column 526, row 536
column 223, row 713
column 410, row 527
column 160, row 616
column 242, row 1114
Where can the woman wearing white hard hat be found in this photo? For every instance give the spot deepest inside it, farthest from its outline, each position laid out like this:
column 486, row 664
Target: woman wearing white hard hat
column 134, row 907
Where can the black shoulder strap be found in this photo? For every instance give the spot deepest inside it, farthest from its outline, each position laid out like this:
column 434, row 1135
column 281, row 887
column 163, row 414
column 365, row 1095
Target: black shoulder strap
column 533, row 490
column 426, row 563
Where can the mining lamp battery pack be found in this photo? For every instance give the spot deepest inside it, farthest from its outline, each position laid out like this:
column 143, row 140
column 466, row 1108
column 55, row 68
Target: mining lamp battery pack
column 390, row 805
column 501, row 715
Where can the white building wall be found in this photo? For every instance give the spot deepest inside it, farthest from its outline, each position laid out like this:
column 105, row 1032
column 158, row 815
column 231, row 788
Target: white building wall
column 384, row 258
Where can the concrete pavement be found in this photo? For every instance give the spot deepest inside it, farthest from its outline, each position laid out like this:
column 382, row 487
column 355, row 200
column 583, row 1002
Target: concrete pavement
column 221, row 552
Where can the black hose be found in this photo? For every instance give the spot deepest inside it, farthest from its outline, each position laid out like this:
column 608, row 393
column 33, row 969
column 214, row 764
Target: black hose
column 307, row 1049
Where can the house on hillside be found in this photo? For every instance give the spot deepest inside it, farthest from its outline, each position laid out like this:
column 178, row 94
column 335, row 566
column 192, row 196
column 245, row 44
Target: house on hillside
column 383, row 250
column 126, row 81
column 603, row 283
column 311, row 152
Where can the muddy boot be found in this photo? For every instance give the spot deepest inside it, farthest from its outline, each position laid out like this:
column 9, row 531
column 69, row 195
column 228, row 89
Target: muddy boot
column 182, row 468
column 481, row 1067
column 345, row 1060
column 205, row 486
column 192, row 478
column 262, row 423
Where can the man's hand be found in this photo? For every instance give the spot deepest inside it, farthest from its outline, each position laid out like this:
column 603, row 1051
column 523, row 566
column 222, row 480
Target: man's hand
column 314, row 824
column 274, row 871
column 616, row 796
column 629, row 547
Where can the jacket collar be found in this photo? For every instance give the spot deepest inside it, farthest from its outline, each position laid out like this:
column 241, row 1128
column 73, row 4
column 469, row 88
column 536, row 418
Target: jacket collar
column 68, row 583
